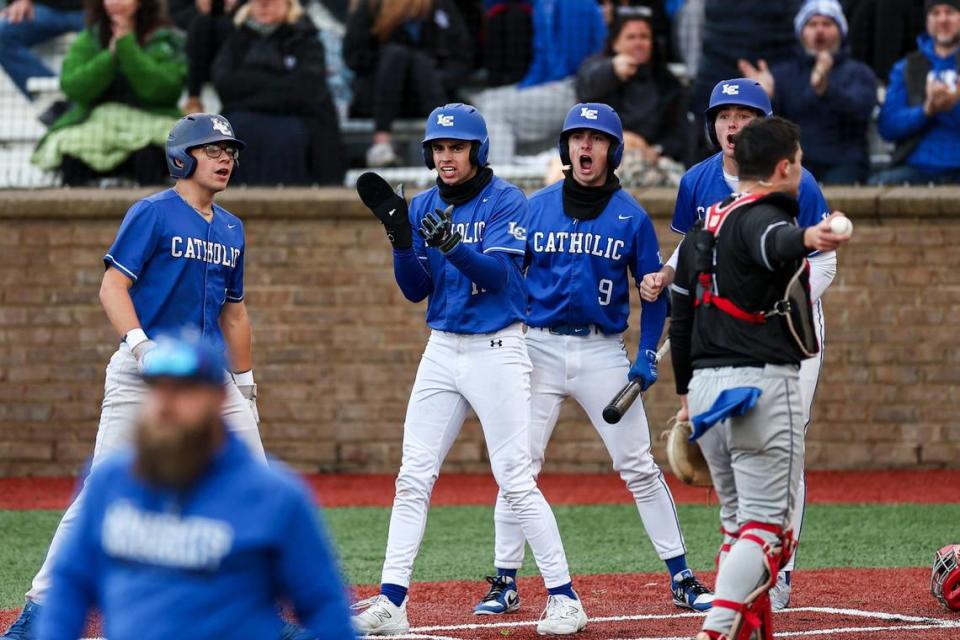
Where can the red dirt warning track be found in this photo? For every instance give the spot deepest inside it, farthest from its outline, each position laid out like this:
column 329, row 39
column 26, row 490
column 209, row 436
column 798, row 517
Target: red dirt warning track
column 879, row 604
column 877, row 487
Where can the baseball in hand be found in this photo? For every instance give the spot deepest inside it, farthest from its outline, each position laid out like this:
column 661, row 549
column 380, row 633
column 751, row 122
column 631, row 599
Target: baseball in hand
column 841, row 226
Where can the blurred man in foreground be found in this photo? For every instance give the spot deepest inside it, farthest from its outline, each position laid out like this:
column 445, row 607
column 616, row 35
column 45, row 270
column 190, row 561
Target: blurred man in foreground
column 188, row 535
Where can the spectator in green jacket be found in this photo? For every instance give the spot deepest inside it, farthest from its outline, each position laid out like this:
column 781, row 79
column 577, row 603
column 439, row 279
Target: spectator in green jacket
column 124, row 75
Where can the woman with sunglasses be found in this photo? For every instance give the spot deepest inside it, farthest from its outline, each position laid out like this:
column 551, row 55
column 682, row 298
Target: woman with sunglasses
column 123, row 75
column 176, row 265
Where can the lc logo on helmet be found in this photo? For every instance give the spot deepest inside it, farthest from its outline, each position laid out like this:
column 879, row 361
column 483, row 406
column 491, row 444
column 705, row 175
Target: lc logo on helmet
column 730, row 90
column 589, row 114
column 444, row 120
column 222, row 126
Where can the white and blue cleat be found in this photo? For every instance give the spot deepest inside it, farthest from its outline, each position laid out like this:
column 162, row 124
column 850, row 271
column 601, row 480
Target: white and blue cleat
column 689, row 593
column 502, row 597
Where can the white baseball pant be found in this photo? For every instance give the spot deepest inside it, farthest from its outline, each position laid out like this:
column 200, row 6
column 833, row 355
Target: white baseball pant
column 491, row 374
column 591, row 369
column 123, row 393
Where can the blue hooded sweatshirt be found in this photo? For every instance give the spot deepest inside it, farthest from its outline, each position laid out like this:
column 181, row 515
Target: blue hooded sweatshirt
column 210, row 562
column 565, row 33
column 939, row 149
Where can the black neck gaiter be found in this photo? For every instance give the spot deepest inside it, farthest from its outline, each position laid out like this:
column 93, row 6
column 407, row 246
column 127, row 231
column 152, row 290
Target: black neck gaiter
column 465, row 191
column 586, row 203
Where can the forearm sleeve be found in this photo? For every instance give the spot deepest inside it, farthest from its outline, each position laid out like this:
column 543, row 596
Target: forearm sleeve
column 412, row 277
column 653, row 315
column 487, row 271
column 681, row 330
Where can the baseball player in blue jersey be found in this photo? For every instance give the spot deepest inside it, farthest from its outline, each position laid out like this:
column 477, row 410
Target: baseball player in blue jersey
column 733, row 104
column 585, row 237
column 465, row 258
column 189, row 535
column 177, row 262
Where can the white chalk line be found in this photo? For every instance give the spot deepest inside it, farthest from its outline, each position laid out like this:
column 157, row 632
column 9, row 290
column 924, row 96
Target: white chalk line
column 917, row 623
column 878, row 615
column 828, row 632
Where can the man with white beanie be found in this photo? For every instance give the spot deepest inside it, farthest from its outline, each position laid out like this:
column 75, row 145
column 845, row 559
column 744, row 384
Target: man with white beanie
column 826, row 92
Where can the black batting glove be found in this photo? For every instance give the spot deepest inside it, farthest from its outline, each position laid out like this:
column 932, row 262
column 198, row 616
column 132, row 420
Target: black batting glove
column 389, row 206
column 437, row 230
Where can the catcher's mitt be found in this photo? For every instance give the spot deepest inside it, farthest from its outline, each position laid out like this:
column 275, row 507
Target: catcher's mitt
column 686, row 459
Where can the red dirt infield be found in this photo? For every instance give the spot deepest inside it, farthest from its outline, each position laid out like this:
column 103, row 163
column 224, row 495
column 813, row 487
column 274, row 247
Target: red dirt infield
column 879, row 604
column 341, row 490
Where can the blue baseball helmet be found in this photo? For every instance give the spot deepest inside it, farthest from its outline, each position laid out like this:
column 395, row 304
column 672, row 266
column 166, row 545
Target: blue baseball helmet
column 595, row 116
column 738, row 92
column 187, row 359
column 457, row 121
column 192, row 131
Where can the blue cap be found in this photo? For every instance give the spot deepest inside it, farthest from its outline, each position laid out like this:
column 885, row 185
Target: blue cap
column 192, row 131
column 457, row 121
column 736, row 92
column 595, row 116
column 184, row 359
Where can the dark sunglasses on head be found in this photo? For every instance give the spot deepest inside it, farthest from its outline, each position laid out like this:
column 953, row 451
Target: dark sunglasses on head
column 214, row 151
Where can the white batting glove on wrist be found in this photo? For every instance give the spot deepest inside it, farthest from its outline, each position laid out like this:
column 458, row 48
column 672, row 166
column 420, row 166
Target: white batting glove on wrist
column 141, row 352
column 248, row 389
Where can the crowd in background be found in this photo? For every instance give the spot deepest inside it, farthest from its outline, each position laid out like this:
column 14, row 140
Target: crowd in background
column 287, row 85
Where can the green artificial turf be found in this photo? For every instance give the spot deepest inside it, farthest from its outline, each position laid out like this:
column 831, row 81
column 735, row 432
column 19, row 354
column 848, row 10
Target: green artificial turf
column 598, row 539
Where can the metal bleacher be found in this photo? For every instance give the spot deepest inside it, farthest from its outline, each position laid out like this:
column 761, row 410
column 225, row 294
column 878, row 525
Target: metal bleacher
column 20, row 130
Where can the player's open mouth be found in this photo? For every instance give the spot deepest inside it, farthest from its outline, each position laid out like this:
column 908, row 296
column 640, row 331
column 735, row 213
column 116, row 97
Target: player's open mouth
column 448, row 171
column 586, row 162
column 224, row 172
column 731, row 140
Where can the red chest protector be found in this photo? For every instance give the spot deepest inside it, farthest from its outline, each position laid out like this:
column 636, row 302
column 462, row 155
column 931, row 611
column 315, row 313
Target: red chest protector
column 707, row 295
column 795, row 304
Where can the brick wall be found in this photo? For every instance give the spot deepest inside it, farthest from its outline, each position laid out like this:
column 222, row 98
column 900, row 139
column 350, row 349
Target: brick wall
column 336, row 345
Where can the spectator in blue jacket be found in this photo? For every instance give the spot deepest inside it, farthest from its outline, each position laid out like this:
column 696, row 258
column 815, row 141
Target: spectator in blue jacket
column 825, row 91
column 921, row 113
column 565, row 33
column 188, row 536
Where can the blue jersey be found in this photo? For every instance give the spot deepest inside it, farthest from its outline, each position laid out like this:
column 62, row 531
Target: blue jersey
column 703, row 186
column 578, row 271
column 183, row 268
column 493, row 221
column 210, row 562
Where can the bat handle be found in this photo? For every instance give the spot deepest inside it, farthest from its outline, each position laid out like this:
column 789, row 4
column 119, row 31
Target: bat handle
column 621, row 403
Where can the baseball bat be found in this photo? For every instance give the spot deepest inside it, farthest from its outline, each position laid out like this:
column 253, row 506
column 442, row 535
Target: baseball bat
column 625, row 398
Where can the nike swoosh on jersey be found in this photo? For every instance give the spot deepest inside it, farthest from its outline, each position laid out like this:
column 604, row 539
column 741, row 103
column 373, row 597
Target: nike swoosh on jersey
column 391, row 212
column 624, row 217
column 231, row 226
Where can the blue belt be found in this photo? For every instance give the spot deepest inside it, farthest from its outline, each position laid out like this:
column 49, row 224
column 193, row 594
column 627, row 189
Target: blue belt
column 572, row 329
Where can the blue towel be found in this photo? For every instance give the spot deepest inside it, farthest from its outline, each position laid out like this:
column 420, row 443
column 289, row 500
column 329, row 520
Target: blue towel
column 731, row 403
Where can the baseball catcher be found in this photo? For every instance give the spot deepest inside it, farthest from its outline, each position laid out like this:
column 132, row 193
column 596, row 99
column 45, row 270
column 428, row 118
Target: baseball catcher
column 742, row 323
